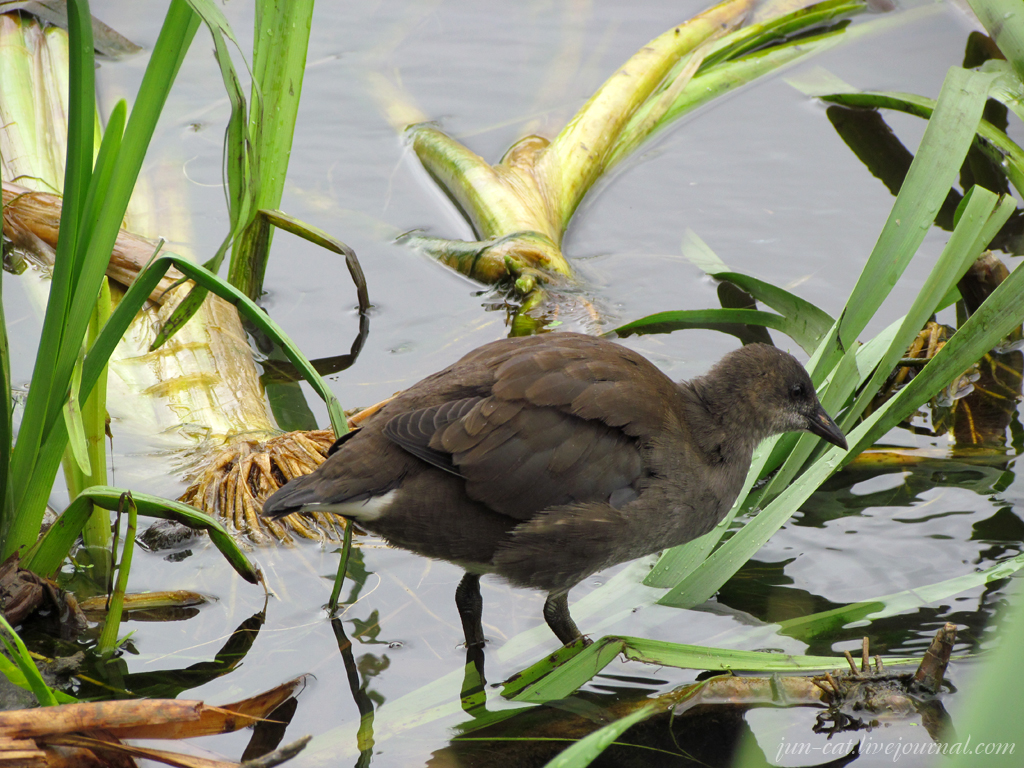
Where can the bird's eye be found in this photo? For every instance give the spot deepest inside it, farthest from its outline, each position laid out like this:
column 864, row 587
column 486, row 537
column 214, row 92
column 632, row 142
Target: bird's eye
column 797, row 391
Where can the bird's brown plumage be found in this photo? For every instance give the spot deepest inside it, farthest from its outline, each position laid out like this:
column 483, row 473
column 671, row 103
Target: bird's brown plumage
column 549, row 458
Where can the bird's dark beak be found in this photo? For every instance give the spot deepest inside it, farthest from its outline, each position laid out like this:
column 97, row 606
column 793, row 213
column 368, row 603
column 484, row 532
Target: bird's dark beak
column 821, row 424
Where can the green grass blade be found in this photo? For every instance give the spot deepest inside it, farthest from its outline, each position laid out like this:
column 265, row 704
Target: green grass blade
column 999, row 315
column 122, row 316
column 527, row 677
column 139, row 293
column 49, row 553
column 279, row 61
column 14, row 675
column 177, row 32
column 586, row 750
column 241, row 162
column 339, row 577
column 802, row 321
column 184, row 311
column 774, row 30
column 996, row 16
column 112, row 621
column 699, row 253
column 991, row 703
column 96, row 534
column 46, row 396
column 561, row 679
column 984, row 215
column 73, row 421
column 729, row 659
column 104, row 168
column 816, row 321
column 6, row 420
column 46, row 556
column 19, row 653
column 712, row 319
column 807, row 627
column 1000, row 148
column 797, row 327
column 35, row 462
column 315, row 235
column 81, row 117
column 946, row 140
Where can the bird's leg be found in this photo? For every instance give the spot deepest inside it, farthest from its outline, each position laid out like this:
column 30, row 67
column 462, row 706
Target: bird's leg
column 556, row 614
column 471, row 608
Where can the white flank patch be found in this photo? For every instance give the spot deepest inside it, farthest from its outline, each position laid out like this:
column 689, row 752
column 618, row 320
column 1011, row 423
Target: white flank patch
column 369, row 509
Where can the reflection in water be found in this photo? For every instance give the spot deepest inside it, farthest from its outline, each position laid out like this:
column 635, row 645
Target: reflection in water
column 364, row 736
column 783, row 203
column 169, row 684
column 267, row 734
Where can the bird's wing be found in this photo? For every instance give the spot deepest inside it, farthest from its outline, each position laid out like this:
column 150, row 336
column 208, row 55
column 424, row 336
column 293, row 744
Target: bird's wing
column 557, row 425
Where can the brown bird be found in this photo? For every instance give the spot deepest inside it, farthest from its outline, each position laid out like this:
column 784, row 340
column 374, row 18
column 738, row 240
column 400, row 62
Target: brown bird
column 546, row 459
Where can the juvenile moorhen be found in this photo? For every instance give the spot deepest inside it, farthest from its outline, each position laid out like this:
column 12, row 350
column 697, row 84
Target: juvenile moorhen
column 546, row 459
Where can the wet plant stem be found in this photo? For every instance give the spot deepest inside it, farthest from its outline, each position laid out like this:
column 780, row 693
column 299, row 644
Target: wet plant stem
column 339, row 579
column 108, row 638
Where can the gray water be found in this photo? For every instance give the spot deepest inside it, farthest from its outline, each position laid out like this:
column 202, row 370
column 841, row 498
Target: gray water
column 761, row 176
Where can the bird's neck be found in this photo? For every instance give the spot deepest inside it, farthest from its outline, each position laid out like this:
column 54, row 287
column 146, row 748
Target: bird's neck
column 719, row 422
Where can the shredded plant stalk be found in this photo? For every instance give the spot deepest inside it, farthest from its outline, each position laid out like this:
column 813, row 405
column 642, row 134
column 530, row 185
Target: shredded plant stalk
column 198, row 397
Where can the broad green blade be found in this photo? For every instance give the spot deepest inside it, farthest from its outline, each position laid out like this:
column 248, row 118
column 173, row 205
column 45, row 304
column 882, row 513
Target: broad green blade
column 77, row 441
column 716, row 320
column 183, row 312
column 1002, row 19
column 102, row 171
column 716, row 77
column 983, row 216
column 946, row 140
column 279, row 63
column 50, row 380
column 991, row 713
column 112, row 621
column 146, row 282
column 315, row 235
column 14, row 675
column 731, row 660
column 569, row 675
column 558, row 681
column 774, row 31
column 48, row 554
column 999, row 315
column 43, row 435
column 586, row 750
column 19, row 653
column 816, row 321
column 808, row 627
column 6, row 419
column 699, row 253
column 1007, row 155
